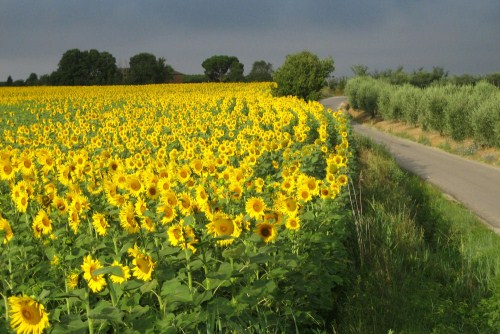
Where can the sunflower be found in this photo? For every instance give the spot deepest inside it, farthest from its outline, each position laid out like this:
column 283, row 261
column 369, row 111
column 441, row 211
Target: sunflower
column 143, row 266
column 42, row 222
column 5, row 227
column 175, row 235
column 147, row 224
column 266, row 231
column 27, row 315
column 183, row 174
column 96, row 283
column 255, row 207
column 342, row 180
column 100, row 224
column 304, row 194
column 125, row 273
column 185, row 206
column 7, row 171
column 170, row 198
column 134, row 185
column 325, row 192
column 127, row 218
column 26, row 165
column 190, row 238
column 20, row 199
column 168, row 213
column 140, row 206
column 120, row 179
column 197, row 166
column 152, row 191
column 292, row 223
column 223, row 226
column 73, row 220
column 73, row 280
column 60, row 204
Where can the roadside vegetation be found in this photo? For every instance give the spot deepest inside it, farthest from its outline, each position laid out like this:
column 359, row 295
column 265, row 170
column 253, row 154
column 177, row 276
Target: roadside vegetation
column 460, row 112
column 423, row 264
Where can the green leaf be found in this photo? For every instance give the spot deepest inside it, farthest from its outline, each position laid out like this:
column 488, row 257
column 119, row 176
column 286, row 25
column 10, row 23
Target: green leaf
column 71, row 324
column 132, row 285
column 77, row 293
column 309, row 215
column 106, row 311
column 148, row 286
column 174, row 291
column 260, row 258
column 223, row 273
column 112, row 270
column 234, row 252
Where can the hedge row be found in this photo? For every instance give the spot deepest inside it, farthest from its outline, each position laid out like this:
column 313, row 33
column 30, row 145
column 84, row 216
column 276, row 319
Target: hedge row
column 459, row 111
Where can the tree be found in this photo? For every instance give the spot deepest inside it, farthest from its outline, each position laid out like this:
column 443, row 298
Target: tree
column 261, row 72
column 146, row 69
column 32, row 80
column 222, row 68
column 303, row 75
column 359, row 70
column 86, row 68
column 9, row 81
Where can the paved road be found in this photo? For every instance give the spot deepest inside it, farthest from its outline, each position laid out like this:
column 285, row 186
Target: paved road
column 475, row 185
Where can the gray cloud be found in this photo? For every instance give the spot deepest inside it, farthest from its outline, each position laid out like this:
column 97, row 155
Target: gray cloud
column 461, row 36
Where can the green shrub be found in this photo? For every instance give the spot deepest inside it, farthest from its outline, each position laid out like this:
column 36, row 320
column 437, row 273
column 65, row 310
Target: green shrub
column 352, row 91
column 386, row 92
column 368, row 95
column 411, row 104
column 434, row 103
column 458, row 113
column 486, row 122
column 303, row 75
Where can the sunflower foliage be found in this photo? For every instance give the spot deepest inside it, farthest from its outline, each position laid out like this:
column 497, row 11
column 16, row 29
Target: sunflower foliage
column 170, row 208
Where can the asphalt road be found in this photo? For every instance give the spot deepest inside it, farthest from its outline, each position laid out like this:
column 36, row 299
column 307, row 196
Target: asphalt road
column 475, row 185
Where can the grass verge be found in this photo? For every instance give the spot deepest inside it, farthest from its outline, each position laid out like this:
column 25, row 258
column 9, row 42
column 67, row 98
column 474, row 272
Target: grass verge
column 423, row 264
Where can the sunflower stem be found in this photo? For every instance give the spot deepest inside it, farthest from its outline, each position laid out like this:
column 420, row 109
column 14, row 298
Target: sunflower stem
column 188, row 268
column 205, row 267
column 6, row 308
column 90, row 321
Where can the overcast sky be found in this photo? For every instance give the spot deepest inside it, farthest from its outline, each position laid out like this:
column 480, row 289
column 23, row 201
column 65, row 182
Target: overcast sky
column 462, row 36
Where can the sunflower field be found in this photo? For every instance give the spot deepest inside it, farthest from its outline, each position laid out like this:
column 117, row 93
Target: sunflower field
column 170, row 209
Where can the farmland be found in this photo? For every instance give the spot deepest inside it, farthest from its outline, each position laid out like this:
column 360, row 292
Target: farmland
column 168, row 208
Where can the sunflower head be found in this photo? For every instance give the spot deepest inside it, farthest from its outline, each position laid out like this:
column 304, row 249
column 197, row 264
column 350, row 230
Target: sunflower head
column 27, row 315
column 266, row 231
column 255, row 207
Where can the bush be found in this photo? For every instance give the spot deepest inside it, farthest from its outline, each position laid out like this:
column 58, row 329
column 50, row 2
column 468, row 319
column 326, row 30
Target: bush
column 411, row 104
column 368, row 95
column 434, row 102
column 352, row 91
column 458, row 112
column 486, row 122
column 303, row 75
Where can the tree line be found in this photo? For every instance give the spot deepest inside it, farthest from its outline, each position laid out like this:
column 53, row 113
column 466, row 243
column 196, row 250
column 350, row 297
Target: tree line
column 422, row 78
column 92, row 67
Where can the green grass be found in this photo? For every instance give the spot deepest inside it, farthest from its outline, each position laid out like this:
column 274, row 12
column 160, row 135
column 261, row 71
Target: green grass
column 423, row 264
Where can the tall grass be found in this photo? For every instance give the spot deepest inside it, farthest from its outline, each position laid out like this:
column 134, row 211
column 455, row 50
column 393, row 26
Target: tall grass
column 423, row 264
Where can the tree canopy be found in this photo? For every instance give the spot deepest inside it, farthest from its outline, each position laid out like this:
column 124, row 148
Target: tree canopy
column 261, row 72
column 303, row 75
column 146, row 69
column 221, row 68
column 86, row 68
